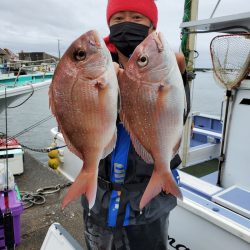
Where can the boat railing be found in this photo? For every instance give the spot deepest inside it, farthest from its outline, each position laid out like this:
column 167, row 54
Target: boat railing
column 43, row 66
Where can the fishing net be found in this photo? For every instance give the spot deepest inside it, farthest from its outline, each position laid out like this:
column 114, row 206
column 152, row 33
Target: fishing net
column 231, row 59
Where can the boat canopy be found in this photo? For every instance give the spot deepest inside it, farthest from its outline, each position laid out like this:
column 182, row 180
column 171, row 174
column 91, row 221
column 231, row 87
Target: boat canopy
column 238, row 23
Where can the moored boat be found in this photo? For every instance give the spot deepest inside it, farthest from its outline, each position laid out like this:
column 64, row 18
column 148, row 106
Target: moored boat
column 215, row 211
column 13, row 86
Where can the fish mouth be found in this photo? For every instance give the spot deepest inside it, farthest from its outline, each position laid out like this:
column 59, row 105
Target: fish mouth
column 157, row 36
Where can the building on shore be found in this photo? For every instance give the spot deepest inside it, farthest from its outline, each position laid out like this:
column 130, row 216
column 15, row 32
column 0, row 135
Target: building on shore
column 36, row 56
column 6, row 56
column 25, row 62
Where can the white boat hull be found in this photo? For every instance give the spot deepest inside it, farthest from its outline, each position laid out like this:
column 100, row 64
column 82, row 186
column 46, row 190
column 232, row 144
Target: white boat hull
column 15, row 93
column 192, row 227
column 195, row 225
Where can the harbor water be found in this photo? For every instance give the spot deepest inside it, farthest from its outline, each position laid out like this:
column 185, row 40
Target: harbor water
column 207, row 97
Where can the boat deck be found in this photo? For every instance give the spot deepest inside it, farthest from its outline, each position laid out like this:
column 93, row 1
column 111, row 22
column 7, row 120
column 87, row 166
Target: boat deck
column 203, row 169
column 36, row 220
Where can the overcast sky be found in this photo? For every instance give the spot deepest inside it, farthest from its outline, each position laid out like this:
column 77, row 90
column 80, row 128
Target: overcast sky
column 37, row 25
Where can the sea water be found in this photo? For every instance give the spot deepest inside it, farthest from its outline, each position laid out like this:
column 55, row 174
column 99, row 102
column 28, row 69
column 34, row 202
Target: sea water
column 26, row 115
column 207, row 94
column 207, row 97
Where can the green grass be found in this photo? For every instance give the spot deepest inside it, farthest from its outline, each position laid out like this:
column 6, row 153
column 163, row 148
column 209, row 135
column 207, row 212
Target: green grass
column 202, row 169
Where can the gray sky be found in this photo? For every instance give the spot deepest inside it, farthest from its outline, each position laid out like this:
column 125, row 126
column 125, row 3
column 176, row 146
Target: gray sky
column 33, row 25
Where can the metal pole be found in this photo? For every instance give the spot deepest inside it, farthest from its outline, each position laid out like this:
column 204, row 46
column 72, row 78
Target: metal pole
column 215, row 8
column 8, row 228
column 222, row 154
column 190, row 46
column 6, row 139
column 58, row 46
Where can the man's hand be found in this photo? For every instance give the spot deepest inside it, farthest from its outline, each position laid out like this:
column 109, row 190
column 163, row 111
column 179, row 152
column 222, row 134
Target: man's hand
column 118, row 70
column 181, row 62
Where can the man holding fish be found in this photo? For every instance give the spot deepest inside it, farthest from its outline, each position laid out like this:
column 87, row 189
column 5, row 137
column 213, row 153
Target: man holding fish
column 128, row 177
column 119, row 220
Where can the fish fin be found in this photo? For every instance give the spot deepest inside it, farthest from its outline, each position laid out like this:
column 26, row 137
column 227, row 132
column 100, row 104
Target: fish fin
column 85, row 183
column 110, row 147
column 157, row 183
column 124, row 120
column 120, row 74
column 101, row 83
column 140, row 150
column 51, row 99
column 119, row 105
column 69, row 144
column 164, row 89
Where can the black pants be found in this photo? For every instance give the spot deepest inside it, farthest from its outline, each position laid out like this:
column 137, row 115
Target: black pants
column 152, row 236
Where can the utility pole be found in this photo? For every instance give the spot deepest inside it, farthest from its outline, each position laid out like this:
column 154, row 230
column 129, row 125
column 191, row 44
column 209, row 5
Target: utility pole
column 58, row 46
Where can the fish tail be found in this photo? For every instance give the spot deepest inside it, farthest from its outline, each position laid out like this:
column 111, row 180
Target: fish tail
column 85, row 183
column 160, row 182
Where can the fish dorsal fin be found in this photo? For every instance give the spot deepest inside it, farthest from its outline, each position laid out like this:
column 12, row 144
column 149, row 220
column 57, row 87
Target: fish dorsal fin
column 110, row 147
column 140, row 150
column 120, row 73
column 119, row 104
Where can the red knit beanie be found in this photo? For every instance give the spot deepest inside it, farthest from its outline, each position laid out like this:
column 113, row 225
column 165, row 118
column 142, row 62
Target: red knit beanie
column 145, row 7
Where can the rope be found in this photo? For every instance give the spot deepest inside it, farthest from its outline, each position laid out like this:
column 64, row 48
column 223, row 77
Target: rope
column 29, row 128
column 42, row 150
column 30, row 199
column 31, row 94
column 34, row 62
column 215, row 8
column 33, row 126
column 39, row 150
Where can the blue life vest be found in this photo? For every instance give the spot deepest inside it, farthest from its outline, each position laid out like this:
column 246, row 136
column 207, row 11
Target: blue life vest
column 118, row 172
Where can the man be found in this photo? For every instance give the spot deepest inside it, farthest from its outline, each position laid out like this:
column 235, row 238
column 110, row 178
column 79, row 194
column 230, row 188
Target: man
column 115, row 221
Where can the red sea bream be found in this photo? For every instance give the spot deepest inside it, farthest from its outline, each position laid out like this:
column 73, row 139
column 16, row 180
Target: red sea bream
column 152, row 108
column 83, row 98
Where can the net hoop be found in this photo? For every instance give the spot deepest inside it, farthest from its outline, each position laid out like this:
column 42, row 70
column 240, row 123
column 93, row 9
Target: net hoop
column 230, row 56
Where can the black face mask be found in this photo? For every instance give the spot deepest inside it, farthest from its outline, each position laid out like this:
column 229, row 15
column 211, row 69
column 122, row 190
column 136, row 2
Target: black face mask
column 127, row 35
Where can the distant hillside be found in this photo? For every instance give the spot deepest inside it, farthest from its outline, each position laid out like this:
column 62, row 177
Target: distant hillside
column 202, row 69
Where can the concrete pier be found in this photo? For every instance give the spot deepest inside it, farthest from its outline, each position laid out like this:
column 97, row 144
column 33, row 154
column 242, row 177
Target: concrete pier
column 36, row 220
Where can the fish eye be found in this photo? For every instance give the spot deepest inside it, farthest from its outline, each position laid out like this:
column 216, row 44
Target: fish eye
column 142, row 60
column 80, row 55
